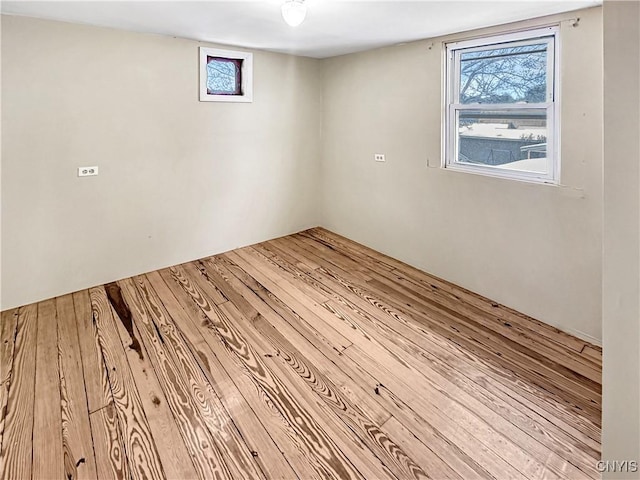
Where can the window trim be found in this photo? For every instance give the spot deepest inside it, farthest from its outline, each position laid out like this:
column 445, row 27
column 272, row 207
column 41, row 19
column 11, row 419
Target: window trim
column 552, row 105
column 246, row 86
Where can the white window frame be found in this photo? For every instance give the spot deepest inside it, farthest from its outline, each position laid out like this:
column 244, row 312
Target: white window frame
column 453, row 51
column 246, row 75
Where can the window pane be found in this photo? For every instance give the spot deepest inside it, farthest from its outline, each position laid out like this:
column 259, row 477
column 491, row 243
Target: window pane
column 504, row 75
column 513, row 140
column 223, row 76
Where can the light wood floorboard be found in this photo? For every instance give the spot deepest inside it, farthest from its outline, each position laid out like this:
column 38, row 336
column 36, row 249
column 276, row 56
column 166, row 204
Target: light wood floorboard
column 305, row 357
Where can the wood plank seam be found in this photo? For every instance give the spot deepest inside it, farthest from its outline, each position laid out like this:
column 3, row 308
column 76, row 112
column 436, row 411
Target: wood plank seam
column 8, row 336
column 81, row 366
column 139, row 448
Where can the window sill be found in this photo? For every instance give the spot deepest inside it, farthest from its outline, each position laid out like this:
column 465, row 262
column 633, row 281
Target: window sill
column 501, row 174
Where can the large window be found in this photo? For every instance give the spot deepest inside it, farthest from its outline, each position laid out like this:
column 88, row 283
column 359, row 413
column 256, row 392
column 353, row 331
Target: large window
column 502, row 106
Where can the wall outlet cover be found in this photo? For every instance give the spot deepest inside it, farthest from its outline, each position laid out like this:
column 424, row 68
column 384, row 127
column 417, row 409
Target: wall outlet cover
column 87, row 171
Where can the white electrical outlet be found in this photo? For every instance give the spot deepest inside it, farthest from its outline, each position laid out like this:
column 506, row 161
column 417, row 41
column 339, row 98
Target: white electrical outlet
column 87, row 171
column 379, row 157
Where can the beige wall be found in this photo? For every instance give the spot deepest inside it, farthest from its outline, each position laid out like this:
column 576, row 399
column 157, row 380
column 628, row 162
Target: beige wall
column 533, row 247
column 621, row 253
column 179, row 179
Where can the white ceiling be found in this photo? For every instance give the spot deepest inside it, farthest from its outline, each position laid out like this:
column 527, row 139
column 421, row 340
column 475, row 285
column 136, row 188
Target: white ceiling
column 332, row 27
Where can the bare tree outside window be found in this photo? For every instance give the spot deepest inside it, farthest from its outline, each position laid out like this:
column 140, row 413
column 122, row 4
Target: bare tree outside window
column 504, row 75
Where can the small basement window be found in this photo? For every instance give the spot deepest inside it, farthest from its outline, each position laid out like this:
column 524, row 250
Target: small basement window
column 225, row 76
column 502, row 106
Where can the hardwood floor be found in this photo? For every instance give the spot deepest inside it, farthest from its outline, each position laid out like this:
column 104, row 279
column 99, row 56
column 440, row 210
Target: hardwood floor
column 308, row 357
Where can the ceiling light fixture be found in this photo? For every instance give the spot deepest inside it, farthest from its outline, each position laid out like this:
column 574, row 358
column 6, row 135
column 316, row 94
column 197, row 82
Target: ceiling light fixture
column 293, row 12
